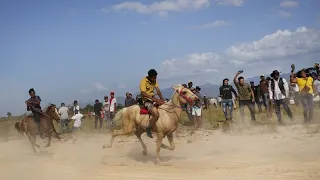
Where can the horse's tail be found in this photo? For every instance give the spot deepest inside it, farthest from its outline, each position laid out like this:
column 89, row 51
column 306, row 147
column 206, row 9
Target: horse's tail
column 119, row 117
column 20, row 129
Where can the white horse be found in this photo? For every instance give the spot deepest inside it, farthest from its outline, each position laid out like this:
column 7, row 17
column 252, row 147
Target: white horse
column 213, row 101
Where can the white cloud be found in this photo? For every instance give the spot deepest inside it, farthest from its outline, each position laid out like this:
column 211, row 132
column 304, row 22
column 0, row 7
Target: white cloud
column 230, row 2
column 289, row 4
column 278, row 49
column 161, row 8
column 285, row 14
column 99, row 87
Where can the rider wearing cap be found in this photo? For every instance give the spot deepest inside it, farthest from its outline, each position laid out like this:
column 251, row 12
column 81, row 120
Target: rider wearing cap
column 147, row 86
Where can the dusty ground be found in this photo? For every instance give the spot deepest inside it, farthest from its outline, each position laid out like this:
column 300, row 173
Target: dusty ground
column 263, row 152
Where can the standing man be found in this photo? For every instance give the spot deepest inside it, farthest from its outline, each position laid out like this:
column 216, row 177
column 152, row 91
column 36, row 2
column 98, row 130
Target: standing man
column 256, row 92
column 76, row 107
column 316, row 84
column 147, row 86
column 33, row 105
column 226, row 91
column 129, row 101
column 105, row 109
column 245, row 94
column 306, row 88
column 190, row 85
column 264, row 92
column 197, row 108
column 279, row 93
column 64, row 118
column 97, row 112
column 112, row 106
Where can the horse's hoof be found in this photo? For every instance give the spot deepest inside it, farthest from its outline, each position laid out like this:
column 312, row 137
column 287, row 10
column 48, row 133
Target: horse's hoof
column 144, row 153
column 158, row 162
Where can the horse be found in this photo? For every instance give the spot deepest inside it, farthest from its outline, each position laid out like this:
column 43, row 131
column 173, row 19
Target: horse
column 135, row 119
column 28, row 126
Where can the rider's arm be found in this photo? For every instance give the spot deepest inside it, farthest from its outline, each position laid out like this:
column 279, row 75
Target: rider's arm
column 159, row 92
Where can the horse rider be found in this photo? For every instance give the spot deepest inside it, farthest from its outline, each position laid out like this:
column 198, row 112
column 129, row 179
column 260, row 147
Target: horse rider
column 33, row 105
column 147, row 86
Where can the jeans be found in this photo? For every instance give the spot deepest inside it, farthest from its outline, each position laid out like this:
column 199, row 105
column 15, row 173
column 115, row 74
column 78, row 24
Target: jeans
column 257, row 101
column 265, row 99
column 297, row 98
column 308, row 107
column 97, row 118
column 286, row 108
column 227, row 103
column 250, row 105
column 64, row 125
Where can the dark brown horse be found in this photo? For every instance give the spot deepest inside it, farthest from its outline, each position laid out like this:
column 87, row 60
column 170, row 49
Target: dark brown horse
column 29, row 126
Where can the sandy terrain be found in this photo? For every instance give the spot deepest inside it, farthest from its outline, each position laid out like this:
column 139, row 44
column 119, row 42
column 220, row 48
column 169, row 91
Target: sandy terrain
column 263, row 152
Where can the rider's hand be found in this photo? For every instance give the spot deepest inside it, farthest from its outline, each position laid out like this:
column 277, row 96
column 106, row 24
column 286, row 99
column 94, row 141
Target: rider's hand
column 253, row 100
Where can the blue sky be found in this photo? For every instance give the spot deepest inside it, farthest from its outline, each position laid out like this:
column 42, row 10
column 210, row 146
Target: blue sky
column 79, row 49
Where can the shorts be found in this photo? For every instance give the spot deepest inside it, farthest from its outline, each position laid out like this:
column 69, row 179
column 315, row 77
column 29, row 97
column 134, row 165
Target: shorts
column 196, row 111
column 149, row 105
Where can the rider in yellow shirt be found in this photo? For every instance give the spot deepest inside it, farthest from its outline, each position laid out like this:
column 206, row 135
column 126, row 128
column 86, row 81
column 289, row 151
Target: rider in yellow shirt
column 306, row 89
column 147, row 86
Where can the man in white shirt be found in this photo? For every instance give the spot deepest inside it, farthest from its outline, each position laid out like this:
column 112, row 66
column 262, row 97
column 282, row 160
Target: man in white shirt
column 77, row 121
column 296, row 96
column 105, row 108
column 112, row 105
column 76, row 107
column 64, row 118
column 279, row 93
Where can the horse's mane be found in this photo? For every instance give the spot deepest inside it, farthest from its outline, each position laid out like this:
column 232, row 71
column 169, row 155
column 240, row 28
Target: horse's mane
column 48, row 107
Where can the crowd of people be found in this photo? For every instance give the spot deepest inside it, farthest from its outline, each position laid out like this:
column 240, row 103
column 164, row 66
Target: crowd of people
column 272, row 91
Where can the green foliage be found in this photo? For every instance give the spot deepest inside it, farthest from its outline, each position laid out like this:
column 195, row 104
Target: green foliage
column 9, row 115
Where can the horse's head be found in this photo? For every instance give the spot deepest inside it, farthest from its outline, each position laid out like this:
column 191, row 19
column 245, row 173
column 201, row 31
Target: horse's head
column 52, row 112
column 185, row 94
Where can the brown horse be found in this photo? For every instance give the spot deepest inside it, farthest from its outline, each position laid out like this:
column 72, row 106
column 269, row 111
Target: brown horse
column 29, row 126
column 135, row 119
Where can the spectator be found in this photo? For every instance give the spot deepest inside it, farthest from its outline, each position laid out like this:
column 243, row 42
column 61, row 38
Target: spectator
column 112, row 105
column 205, row 102
column 296, row 94
column 219, row 100
column 256, row 92
column 76, row 107
column 105, row 108
column 64, row 118
column 197, row 108
column 316, row 84
column 97, row 111
column 306, row 87
column 264, row 92
column 190, row 84
column 226, row 91
column 245, row 93
column 129, row 101
column 279, row 93
column 77, row 121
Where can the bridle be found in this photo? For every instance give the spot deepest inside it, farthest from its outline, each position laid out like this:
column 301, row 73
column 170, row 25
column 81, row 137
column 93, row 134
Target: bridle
column 181, row 94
